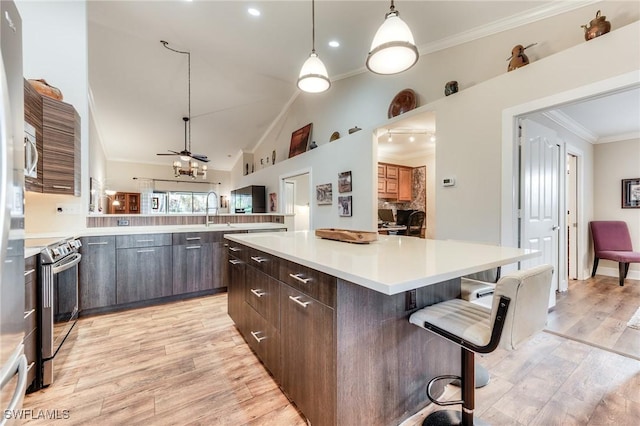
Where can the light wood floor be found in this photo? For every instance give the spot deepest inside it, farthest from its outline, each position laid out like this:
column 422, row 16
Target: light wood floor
column 596, row 312
column 185, row 364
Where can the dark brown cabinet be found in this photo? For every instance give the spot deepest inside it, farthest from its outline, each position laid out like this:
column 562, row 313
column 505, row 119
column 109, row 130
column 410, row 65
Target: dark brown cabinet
column 57, row 127
column 308, row 361
column 97, row 272
column 30, row 316
column 235, row 290
column 143, row 267
column 193, row 262
column 128, row 203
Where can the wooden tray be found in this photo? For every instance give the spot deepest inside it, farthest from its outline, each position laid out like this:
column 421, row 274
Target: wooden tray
column 347, row 235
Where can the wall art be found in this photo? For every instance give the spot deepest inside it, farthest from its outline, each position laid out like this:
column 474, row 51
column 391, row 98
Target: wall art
column 631, row 193
column 344, row 206
column 324, row 194
column 344, row 182
column 300, row 140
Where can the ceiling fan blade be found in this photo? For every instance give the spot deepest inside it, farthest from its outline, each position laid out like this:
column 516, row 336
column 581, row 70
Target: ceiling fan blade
column 172, row 153
column 200, row 157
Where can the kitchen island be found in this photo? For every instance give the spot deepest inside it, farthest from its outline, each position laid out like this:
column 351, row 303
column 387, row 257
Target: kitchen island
column 329, row 320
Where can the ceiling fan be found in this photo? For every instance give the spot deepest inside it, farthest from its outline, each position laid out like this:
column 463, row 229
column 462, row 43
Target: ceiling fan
column 185, row 154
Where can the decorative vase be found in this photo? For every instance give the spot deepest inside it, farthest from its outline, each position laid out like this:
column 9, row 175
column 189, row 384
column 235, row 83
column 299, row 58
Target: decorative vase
column 313, row 145
column 450, row 88
column 45, row 89
column 354, row 129
column 597, row 27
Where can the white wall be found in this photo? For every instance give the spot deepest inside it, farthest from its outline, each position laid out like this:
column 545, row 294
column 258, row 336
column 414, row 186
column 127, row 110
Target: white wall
column 469, row 123
column 55, row 48
column 613, row 162
column 353, row 153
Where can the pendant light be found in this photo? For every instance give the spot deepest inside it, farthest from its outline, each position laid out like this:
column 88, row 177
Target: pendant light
column 393, row 49
column 313, row 75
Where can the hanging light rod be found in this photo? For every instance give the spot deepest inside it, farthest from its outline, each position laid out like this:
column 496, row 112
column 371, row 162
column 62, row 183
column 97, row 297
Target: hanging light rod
column 313, row 76
column 393, row 49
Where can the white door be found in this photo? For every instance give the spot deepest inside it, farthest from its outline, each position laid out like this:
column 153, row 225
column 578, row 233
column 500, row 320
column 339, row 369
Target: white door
column 539, row 195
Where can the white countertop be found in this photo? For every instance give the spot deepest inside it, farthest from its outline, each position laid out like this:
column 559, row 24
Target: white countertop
column 390, row 265
column 35, row 242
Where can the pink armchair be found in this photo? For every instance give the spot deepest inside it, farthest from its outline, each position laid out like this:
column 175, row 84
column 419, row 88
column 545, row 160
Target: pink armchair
column 611, row 241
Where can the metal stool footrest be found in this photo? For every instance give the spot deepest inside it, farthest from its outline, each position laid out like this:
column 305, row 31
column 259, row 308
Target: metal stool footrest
column 433, row 399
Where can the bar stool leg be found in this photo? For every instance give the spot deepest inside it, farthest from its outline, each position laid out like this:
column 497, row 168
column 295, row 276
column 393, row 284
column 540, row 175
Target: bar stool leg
column 454, row 417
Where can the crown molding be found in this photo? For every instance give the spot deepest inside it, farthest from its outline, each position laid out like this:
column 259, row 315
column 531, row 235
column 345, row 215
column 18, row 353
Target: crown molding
column 619, row 138
column 571, row 125
column 532, row 15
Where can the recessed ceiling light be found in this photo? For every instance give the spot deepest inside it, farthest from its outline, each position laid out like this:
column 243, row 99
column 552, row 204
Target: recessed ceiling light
column 253, row 11
column 412, row 139
column 432, row 138
column 334, row 43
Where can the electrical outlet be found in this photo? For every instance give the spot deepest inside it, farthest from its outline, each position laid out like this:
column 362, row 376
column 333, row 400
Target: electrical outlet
column 68, row 208
column 123, row 222
column 411, row 300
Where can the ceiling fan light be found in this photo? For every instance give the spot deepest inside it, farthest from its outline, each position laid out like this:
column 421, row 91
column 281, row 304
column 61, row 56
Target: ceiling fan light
column 313, row 75
column 185, row 158
column 393, row 49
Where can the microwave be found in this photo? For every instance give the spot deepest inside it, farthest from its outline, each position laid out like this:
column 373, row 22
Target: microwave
column 30, row 151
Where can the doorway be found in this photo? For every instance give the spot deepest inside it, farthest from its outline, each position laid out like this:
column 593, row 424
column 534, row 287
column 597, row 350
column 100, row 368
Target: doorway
column 296, row 190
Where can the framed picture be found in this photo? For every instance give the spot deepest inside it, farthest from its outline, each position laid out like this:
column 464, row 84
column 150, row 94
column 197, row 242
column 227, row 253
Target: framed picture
column 344, row 206
column 300, row 140
column 155, row 203
column 324, row 194
column 344, row 182
column 631, row 193
column 273, row 202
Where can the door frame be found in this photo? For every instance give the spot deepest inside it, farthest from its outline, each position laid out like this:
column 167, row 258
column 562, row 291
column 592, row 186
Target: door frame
column 509, row 229
column 289, row 175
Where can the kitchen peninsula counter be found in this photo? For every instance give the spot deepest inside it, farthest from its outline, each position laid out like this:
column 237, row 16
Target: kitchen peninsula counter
column 390, row 265
column 329, row 319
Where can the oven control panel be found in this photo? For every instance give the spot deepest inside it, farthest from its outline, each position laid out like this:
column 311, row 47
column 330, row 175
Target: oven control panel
column 57, row 251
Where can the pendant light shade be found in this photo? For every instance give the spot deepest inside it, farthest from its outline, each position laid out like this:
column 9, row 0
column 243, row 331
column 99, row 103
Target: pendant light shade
column 313, row 76
column 393, row 49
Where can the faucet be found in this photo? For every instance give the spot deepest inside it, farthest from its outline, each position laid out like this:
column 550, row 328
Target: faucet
column 206, row 217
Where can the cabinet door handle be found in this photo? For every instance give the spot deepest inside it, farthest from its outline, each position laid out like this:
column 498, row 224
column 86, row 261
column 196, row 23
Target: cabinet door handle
column 193, row 247
column 29, row 272
column 234, row 261
column 60, row 187
column 258, row 292
column 234, row 249
column 259, row 259
column 255, row 336
column 144, row 241
column 298, row 277
column 297, row 300
column 99, row 243
column 146, row 251
column 26, row 314
column 193, row 238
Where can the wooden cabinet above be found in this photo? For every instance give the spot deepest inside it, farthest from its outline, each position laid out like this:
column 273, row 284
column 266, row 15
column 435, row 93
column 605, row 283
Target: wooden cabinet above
column 129, row 203
column 394, row 182
column 57, row 127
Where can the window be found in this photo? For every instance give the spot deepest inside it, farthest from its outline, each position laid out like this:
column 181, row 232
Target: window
column 181, row 202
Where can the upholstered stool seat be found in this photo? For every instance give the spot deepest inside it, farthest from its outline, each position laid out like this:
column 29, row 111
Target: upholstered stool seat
column 519, row 310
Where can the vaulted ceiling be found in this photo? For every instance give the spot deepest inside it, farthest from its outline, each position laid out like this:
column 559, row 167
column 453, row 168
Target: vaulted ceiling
column 243, row 67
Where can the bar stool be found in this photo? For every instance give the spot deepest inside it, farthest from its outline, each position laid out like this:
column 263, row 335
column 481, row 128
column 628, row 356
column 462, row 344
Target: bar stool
column 519, row 310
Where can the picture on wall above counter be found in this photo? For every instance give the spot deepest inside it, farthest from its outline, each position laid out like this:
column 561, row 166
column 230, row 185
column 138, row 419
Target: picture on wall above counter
column 300, row 140
column 344, row 206
column 324, row 194
column 344, row 182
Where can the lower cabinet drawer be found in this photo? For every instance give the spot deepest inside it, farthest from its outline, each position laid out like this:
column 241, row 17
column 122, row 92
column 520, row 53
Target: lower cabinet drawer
column 30, row 353
column 264, row 339
column 30, row 318
column 262, row 293
column 313, row 283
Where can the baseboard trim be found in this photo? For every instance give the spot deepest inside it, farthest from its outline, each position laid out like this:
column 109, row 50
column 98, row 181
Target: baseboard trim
column 613, row 272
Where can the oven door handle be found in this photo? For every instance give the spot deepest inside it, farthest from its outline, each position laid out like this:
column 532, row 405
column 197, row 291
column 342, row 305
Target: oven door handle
column 67, row 264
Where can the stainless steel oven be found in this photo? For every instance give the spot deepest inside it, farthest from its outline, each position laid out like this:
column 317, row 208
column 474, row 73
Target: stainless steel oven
column 58, row 300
